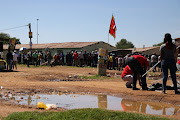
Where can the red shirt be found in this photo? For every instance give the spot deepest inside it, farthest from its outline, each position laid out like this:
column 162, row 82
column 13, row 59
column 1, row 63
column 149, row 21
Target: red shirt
column 75, row 55
column 126, row 71
column 178, row 62
column 142, row 60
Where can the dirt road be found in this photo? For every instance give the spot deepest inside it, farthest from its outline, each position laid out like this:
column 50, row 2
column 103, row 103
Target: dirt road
column 63, row 78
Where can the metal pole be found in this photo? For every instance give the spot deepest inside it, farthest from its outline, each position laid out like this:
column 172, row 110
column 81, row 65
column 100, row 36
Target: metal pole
column 37, row 31
column 151, row 68
column 108, row 42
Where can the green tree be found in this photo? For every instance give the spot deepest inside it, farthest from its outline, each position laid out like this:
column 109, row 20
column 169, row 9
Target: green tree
column 124, row 44
column 4, row 37
column 159, row 44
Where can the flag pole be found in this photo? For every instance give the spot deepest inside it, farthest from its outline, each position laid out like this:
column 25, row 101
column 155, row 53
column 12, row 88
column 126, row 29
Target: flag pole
column 108, row 42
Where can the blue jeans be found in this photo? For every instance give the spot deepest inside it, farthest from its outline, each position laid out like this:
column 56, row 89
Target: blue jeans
column 165, row 65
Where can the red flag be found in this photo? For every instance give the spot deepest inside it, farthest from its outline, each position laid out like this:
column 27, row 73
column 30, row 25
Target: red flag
column 112, row 29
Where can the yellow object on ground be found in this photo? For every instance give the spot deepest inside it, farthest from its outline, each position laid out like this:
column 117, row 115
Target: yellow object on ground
column 41, row 105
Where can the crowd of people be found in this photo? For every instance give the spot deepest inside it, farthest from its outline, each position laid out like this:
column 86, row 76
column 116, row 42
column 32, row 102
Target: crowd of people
column 72, row 58
column 120, row 62
column 36, row 58
column 134, row 66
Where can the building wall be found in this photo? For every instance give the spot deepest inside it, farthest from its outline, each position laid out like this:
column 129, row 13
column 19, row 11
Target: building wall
column 98, row 45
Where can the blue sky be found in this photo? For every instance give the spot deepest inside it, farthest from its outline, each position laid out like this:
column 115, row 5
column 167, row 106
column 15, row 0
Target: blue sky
column 142, row 22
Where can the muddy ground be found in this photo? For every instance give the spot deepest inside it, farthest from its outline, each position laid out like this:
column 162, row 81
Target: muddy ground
column 62, row 78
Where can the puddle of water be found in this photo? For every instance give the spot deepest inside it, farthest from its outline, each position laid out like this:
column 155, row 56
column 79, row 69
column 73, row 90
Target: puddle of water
column 76, row 101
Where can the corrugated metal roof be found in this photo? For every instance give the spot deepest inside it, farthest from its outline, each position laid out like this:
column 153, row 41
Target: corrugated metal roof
column 142, row 49
column 54, row 45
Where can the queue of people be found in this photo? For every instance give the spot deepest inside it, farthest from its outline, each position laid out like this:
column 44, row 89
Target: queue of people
column 72, row 58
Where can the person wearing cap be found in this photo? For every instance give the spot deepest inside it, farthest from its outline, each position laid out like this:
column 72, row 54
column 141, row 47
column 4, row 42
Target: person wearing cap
column 138, row 65
column 15, row 56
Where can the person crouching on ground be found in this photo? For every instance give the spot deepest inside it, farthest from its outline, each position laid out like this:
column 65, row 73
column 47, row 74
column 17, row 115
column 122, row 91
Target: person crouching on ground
column 127, row 75
column 138, row 65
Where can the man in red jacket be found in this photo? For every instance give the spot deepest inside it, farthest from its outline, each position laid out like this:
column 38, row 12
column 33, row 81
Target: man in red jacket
column 138, row 65
column 127, row 76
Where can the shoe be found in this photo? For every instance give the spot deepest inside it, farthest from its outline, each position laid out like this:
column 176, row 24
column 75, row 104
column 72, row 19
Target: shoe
column 135, row 88
column 144, row 88
column 177, row 92
column 128, row 86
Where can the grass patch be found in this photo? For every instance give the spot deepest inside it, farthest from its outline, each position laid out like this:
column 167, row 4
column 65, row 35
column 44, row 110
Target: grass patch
column 82, row 114
column 94, row 77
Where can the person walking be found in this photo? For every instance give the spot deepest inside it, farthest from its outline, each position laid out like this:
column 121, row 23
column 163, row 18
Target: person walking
column 168, row 59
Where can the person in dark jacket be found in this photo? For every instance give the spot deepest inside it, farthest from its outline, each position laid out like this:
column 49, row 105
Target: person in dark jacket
column 138, row 65
column 9, row 57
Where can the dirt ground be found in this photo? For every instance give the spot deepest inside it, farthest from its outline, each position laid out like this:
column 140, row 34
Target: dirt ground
column 45, row 79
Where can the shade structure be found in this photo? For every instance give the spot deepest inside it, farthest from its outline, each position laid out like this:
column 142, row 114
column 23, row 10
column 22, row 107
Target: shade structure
column 22, row 48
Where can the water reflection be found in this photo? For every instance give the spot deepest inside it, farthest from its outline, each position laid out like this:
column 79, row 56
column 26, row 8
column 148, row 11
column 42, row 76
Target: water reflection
column 75, row 101
column 149, row 107
column 29, row 100
column 102, row 101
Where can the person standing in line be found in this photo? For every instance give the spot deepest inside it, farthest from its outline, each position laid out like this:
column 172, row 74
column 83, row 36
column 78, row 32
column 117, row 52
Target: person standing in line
column 9, row 57
column 154, row 60
column 120, row 63
column 19, row 58
column 28, row 58
column 62, row 58
column 25, row 58
column 15, row 57
column 75, row 58
column 168, row 61
column 35, row 58
column 81, row 57
column 49, row 57
column 110, row 61
column 85, row 58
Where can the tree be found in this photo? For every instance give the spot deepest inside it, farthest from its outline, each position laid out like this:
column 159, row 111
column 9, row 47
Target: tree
column 4, row 37
column 124, row 44
column 159, row 44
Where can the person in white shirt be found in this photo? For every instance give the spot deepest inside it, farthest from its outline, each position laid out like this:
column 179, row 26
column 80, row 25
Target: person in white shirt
column 15, row 56
column 120, row 63
column 154, row 60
